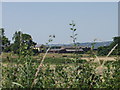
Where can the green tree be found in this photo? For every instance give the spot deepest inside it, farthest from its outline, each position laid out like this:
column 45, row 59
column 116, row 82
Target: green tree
column 23, row 43
column 16, row 45
column 104, row 50
column 5, row 42
column 116, row 40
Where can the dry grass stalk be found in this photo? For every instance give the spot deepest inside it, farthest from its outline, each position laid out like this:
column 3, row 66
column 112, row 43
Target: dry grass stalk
column 109, row 54
column 100, row 69
column 39, row 67
column 97, row 59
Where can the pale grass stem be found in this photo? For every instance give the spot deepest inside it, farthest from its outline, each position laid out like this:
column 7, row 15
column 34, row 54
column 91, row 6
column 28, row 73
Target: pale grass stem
column 39, row 67
column 109, row 54
column 100, row 69
column 97, row 59
column 106, row 56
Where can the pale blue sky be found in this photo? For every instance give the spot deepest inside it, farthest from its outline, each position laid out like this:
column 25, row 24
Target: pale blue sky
column 0, row 14
column 93, row 20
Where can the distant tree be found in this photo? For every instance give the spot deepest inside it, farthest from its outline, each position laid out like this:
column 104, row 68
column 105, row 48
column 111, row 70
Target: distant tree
column 116, row 40
column 104, row 50
column 23, row 43
column 16, row 45
column 5, row 42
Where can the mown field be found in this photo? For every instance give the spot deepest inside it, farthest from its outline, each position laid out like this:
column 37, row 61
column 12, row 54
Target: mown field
column 60, row 71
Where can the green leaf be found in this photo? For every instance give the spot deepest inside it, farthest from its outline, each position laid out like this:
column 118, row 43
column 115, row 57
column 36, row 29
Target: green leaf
column 50, row 35
column 76, row 34
column 18, row 84
column 71, row 28
column 53, row 36
column 25, row 47
column 73, row 24
column 74, row 29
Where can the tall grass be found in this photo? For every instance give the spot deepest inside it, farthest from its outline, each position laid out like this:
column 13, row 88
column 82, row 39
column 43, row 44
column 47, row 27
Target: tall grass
column 22, row 74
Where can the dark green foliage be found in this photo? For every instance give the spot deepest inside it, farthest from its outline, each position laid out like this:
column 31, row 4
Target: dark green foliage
column 63, row 61
column 5, row 41
column 106, row 49
column 35, row 51
column 55, row 60
column 112, row 75
column 103, row 50
column 23, row 44
column 74, row 35
column 116, row 41
column 22, row 73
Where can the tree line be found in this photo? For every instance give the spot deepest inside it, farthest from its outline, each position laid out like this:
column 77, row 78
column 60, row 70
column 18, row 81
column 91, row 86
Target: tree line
column 23, row 44
column 104, row 50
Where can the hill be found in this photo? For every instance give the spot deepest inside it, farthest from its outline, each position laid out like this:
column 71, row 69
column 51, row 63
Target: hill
column 87, row 44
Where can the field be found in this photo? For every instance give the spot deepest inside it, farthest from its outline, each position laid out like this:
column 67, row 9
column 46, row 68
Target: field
column 60, row 71
column 40, row 48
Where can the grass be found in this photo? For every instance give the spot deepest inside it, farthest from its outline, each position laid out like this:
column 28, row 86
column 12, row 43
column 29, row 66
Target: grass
column 48, row 60
column 58, row 72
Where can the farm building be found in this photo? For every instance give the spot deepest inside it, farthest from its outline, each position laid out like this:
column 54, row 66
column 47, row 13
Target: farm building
column 63, row 49
column 40, row 47
column 73, row 49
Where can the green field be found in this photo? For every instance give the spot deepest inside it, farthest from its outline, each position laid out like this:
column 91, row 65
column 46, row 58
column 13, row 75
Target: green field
column 59, row 71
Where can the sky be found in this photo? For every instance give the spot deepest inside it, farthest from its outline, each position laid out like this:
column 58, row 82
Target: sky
column 41, row 19
column 0, row 14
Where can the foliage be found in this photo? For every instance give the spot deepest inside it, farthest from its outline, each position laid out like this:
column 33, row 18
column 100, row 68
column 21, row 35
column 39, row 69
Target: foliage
column 82, row 75
column 59, row 61
column 5, row 41
column 23, row 44
column 51, row 37
column 41, row 63
column 74, row 35
column 104, row 50
column 43, row 48
column 116, row 41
